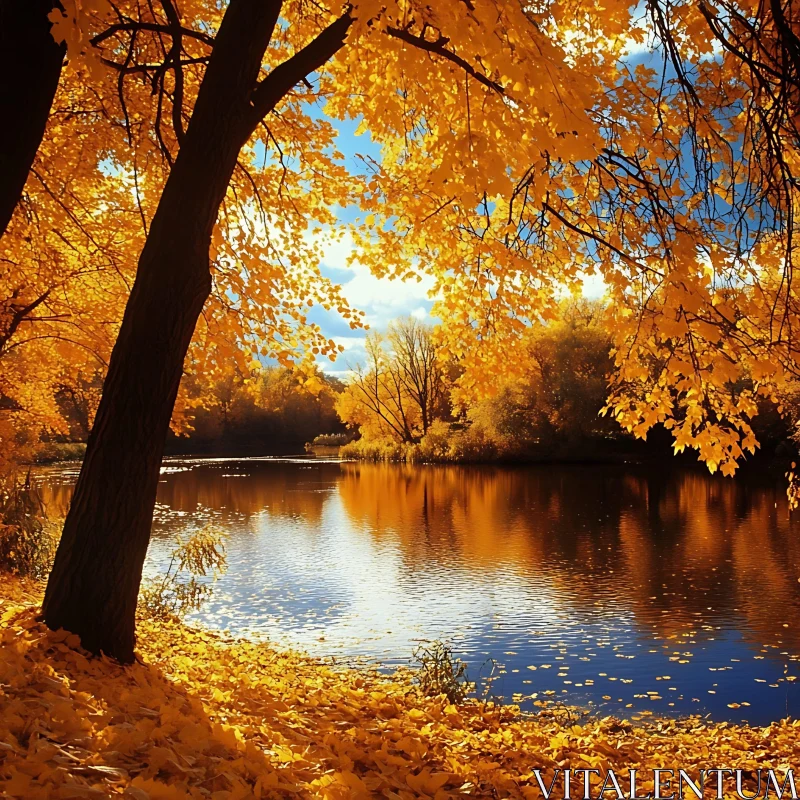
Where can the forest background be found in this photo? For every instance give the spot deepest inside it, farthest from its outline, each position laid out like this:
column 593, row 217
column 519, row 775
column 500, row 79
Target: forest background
column 405, row 403
column 400, row 402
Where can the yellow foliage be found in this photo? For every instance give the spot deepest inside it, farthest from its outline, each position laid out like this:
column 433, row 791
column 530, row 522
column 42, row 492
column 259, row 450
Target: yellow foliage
column 522, row 147
column 199, row 716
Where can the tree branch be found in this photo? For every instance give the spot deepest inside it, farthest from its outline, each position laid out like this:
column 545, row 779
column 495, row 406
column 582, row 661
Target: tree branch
column 111, row 30
column 18, row 317
column 269, row 92
column 439, row 48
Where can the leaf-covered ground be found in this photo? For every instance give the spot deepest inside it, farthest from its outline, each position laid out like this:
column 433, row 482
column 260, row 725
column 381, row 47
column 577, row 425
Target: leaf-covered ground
column 204, row 717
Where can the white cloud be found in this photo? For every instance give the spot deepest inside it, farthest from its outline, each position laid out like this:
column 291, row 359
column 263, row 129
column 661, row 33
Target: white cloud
column 349, row 342
column 382, row 299
column 594, row 287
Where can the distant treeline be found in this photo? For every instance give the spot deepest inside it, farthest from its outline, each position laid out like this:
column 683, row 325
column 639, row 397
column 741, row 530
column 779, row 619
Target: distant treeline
column 270, row 411
column 406, row 403
column 274, row 411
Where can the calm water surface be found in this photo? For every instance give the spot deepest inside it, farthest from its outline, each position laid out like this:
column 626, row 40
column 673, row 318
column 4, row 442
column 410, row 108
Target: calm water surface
column 631, row 591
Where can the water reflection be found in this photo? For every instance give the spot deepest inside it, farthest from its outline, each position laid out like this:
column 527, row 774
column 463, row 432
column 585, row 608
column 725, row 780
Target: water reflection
column 636, row 591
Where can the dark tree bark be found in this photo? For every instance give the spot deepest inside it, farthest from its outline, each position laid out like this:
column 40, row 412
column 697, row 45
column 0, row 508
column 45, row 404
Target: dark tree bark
column 30, row 66
column 94, row 584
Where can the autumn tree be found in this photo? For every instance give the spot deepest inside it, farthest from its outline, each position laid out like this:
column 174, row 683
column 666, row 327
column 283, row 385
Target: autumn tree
column 292, row 406
column 402, row 388
column 376, row 400
column 570, row 365
column 94, row 584
column 554, row 399
column 30, row 66
column 68, row 250
column 421, row 368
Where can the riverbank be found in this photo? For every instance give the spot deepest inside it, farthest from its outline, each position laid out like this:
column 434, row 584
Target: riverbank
column 470, row 450
column 200, row 716
column 465, row 449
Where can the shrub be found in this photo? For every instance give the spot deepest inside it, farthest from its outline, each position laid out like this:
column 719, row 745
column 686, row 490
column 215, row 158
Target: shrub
column 379, row 450
column 28, row 540
column 176, row 592
column 440, row 673
column 442, row 444
column 475, row 444
column 435, row 445
column 52, row 452
column 331, row 440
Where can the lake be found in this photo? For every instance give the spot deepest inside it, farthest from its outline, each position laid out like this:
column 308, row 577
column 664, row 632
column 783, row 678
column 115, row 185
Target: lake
column 625, row 590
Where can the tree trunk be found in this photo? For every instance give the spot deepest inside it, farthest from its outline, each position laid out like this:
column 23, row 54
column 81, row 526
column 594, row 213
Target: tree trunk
column 94, row 584
column 30, row 66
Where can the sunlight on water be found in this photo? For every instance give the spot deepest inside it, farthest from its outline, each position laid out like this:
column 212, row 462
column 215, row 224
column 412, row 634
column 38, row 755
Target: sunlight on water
column 631, row 592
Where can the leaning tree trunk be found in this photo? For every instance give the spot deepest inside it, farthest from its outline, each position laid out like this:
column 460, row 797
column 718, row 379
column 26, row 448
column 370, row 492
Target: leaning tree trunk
column 93, row 587
column 30, row 66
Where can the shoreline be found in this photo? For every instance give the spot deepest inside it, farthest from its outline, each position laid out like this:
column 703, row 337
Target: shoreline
column 199, row 713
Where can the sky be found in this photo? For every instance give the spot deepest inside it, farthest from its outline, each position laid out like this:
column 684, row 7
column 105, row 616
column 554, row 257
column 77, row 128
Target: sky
column 381, row 299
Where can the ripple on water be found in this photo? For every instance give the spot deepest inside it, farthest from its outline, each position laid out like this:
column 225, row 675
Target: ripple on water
column 630, row 591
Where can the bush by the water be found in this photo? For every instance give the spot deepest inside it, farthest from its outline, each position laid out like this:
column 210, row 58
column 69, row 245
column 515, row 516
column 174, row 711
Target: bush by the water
column 440, row 673
column 378, row 450
column 443, row 443
column 332, row 439
column 52, row 452
column 28, row 540
column 178, row 591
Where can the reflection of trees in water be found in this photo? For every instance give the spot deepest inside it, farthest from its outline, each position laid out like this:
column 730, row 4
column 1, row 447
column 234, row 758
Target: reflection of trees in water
column 680, row 549
column 233, row 488
column 56, row 496
column 283, row 490
column 710, row 549
column 490, row 516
